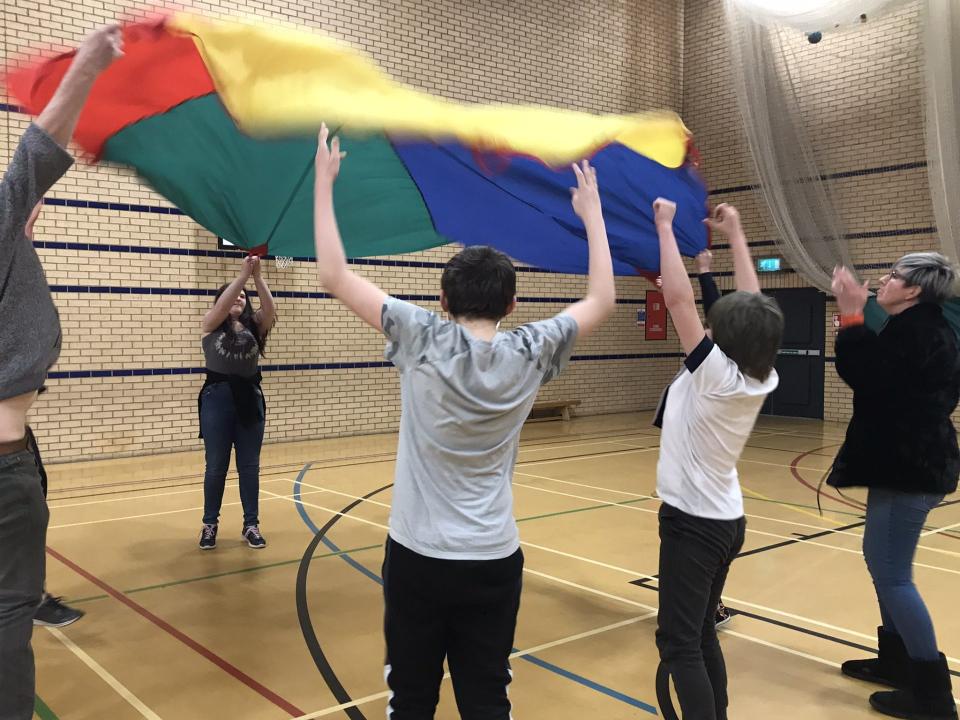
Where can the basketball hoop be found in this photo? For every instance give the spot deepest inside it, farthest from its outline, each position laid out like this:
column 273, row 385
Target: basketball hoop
column 282, row 262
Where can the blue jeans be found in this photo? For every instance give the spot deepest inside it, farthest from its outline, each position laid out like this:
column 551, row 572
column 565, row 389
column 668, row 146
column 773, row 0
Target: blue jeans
column 894, row 522
column 222, row 431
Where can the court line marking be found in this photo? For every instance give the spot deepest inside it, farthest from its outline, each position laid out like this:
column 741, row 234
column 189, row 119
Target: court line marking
column 104, row 675
column 513, row 656
column 198, row 488
column 939, row 530
column 331, row 680
column 318, row 465
column 162, row 512
column 202, row 650
column 796, row 540
column 742, row 636
column 329, row 462
column 635, row 574
column 749, row 515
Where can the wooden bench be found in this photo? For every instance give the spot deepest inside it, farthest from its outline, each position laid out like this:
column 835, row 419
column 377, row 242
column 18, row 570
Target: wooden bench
column 544, row 410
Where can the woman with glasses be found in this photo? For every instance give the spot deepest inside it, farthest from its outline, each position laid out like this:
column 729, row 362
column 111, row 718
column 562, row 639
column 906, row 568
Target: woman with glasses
column 902, row 445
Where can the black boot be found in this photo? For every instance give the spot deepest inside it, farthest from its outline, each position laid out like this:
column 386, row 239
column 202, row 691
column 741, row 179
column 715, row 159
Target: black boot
column 891, row 667
column 929, row 696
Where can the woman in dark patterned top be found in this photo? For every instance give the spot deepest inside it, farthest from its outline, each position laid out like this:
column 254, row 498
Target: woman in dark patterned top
column 231, row 404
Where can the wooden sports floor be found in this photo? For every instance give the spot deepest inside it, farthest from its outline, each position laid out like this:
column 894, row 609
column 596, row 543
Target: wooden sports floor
column 294, row 631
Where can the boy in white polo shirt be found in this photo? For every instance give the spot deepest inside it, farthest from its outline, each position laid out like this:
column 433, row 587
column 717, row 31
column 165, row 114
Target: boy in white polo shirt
column 706, row 416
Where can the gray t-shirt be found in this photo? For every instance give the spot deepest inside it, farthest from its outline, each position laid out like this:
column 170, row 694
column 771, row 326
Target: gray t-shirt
column 30, row 331
column 231, row 353
column 463, row 403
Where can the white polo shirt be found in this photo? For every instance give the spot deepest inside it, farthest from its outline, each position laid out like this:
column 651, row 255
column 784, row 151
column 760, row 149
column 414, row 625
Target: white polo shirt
column 706, row 415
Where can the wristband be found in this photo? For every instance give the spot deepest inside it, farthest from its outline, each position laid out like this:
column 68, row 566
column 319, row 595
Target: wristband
column 851, row 320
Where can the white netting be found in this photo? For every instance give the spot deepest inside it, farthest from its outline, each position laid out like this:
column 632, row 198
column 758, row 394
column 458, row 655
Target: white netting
column 814, row 15
column 810, row 232
column 942, row 63
column 282, row 262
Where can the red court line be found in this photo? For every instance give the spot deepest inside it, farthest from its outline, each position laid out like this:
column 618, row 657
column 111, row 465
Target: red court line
column 796, row 473
column 227, row 667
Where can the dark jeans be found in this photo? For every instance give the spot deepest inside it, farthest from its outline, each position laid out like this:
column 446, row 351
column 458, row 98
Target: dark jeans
column 894, row 522
column 464, row 610
column 223, row 431
column 23, row 530
column 695, row 556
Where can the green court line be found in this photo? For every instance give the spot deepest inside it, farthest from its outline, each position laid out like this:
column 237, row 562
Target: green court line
column 747, row 496
column 213, row 576
column 42, row 711
column 255, row 568
column 583, row 509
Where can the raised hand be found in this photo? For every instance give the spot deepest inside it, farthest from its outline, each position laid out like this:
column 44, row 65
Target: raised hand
column 851, row 295
column 585, row 197
column 328, row 157
column 100, row 49
column 250, row 266
column 664, row 211
column 726, row 219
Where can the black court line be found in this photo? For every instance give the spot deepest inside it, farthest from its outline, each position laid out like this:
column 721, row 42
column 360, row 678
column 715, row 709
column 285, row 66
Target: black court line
column 303, row 610
column 802, row 538
column 645, row 584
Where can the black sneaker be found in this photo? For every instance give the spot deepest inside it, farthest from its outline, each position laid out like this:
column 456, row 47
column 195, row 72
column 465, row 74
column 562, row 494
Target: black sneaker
column 253, row 537
column 208, row 537
column 53, row 613
column 723, row 615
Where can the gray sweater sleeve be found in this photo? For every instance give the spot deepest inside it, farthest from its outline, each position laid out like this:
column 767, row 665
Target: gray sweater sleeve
column 37, row 164
column 30, row 334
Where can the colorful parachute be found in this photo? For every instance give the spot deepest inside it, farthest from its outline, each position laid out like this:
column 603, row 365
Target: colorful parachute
column 221, row 118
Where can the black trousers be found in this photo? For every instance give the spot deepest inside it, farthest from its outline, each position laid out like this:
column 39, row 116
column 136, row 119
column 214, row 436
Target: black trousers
column 23, row 529
column 695, row 557
column 464, row 610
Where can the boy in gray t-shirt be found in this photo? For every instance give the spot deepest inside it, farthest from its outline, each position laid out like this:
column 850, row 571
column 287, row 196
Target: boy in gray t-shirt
column 453, row 565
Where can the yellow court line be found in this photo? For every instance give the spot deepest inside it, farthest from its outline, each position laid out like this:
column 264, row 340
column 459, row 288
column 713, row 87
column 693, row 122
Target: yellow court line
column 109, row 679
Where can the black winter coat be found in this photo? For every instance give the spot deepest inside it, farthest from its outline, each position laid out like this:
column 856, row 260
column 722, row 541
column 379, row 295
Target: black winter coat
column 906, row 384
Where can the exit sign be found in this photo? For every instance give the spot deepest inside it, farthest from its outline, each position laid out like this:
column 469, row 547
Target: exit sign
column 769, row 264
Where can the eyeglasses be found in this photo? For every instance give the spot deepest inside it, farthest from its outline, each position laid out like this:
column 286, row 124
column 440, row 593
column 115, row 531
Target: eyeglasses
column 894, row 274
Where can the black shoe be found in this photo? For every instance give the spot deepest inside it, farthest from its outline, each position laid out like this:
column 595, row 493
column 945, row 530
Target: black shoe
column 208, row 536
column 891, row 667
column 53, row 613
column 251, row 534
column 723, row 616
column 929, row 696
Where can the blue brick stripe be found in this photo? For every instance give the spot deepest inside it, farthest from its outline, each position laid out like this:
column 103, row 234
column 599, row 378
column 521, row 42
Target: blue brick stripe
column 300, row 367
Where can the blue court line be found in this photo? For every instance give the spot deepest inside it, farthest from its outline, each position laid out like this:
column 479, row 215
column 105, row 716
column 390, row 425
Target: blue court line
column 532, row 659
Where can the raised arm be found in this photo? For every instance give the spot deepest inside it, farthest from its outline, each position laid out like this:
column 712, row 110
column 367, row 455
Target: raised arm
column 677, row 291
column 708, row 286
column 600, row 299
column 266, row 316
column 221, row 309
column 726, row 219
column 100, row 48
column 356, row 292
column 40, row 159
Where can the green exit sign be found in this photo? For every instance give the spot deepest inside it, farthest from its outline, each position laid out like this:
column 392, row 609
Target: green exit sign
column 769, row 264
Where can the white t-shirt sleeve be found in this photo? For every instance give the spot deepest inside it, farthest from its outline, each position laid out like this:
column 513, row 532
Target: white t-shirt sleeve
column 409, row 330
column 711, row 370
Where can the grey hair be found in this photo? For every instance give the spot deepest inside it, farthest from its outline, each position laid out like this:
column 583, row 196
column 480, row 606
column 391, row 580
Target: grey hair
column 932, row 272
